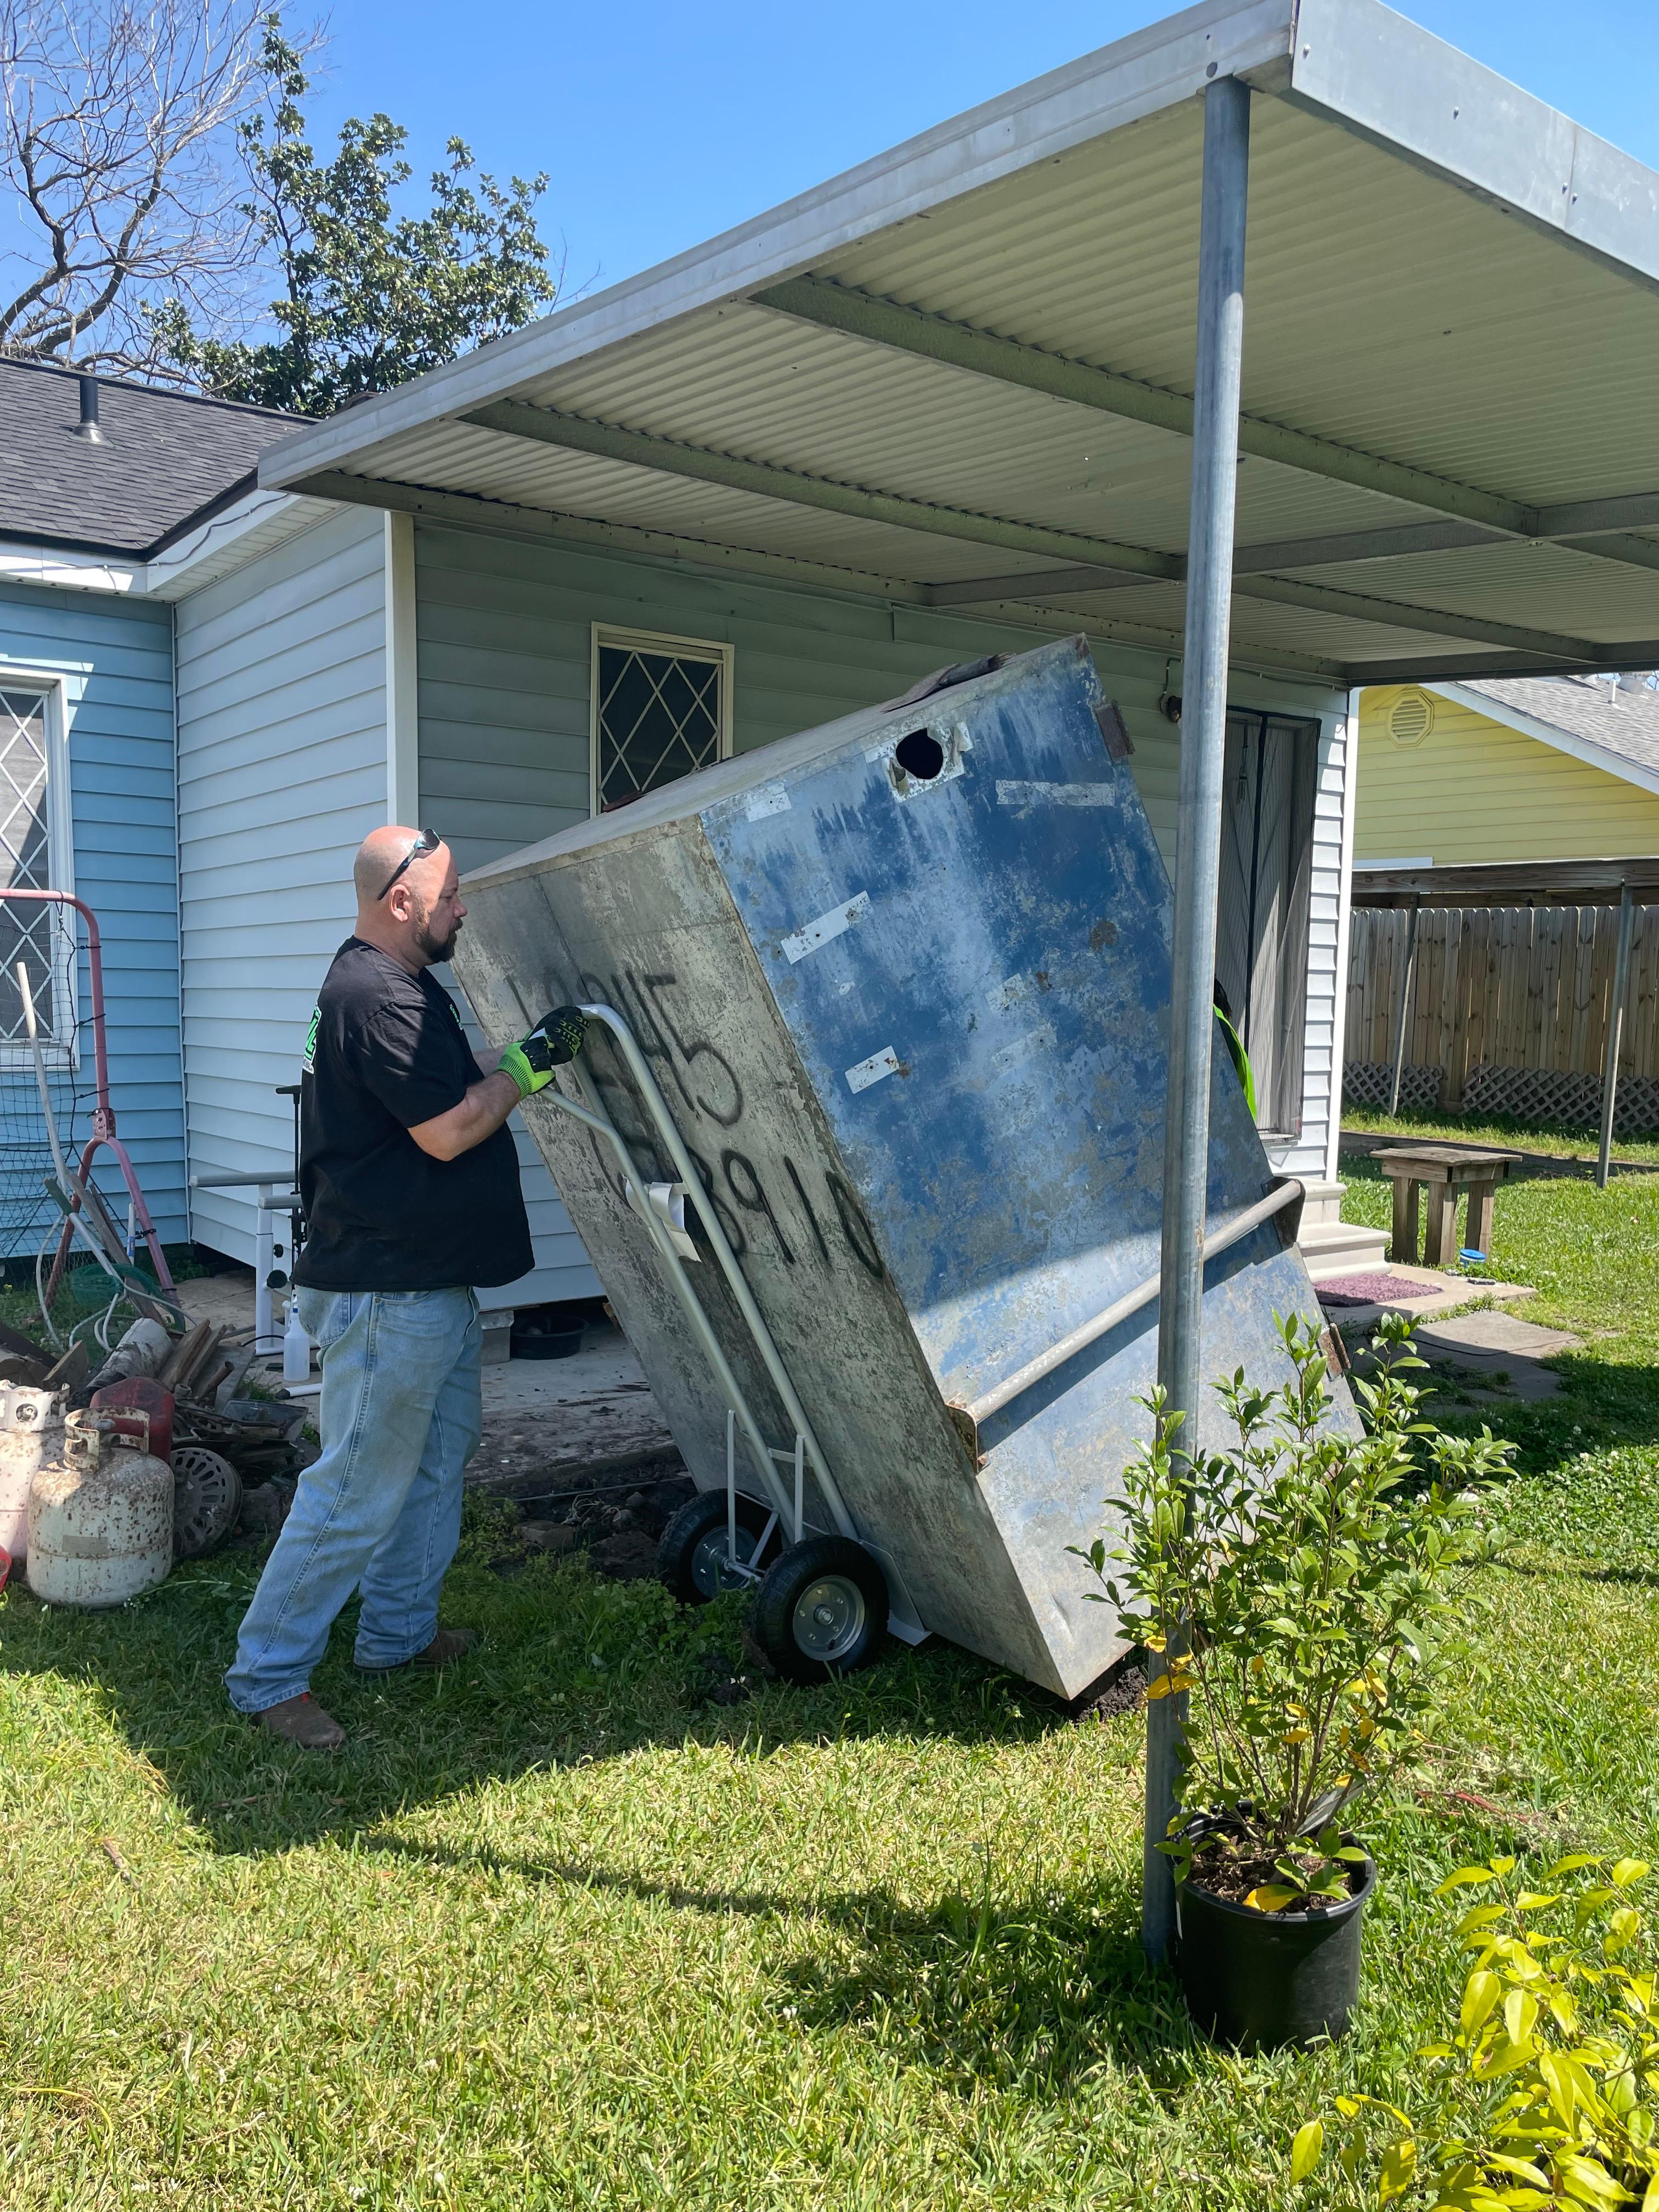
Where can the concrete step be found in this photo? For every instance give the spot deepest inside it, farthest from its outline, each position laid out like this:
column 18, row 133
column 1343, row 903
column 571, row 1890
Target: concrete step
column 1341, row 1248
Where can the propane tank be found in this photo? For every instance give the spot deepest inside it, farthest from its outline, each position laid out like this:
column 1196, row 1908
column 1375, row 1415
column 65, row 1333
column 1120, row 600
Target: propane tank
column 143, row 1351
column 100, row 1516
column 31, row 1429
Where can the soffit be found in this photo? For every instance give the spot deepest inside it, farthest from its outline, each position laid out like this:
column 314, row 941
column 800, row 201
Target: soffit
column 1391, row 311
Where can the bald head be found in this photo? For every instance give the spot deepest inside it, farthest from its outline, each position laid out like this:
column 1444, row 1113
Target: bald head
column 408, row 901
column 379, row 856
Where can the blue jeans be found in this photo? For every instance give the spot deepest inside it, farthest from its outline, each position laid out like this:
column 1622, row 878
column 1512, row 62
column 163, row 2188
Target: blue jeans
column 380, row 1510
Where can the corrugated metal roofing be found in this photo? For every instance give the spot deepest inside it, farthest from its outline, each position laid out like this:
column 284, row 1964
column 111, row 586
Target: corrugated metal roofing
column 1442, row 275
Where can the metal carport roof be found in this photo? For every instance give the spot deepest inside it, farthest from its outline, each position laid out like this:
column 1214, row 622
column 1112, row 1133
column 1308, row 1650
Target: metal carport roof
column 961, row 374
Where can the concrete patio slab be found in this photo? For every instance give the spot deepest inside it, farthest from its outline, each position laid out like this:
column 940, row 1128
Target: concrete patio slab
column 550, row 1423
column 1496, row 1357
column 1494, row 1337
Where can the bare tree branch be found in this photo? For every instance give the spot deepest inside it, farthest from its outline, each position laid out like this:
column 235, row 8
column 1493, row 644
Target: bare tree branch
column 121, row 181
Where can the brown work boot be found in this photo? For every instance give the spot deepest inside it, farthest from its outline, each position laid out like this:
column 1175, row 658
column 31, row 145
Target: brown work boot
column 301, row 1720
column 447, row 1644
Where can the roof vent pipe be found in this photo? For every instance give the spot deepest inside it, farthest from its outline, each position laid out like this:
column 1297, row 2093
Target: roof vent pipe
column 88, row 427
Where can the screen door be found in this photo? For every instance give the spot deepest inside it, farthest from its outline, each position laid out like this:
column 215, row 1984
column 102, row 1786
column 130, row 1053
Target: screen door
column 1262, row 934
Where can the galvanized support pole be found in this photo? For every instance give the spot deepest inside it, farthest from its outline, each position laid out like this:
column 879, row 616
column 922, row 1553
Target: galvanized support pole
column 1615, row 1033
column 1404, row 1004
column 1198, row 860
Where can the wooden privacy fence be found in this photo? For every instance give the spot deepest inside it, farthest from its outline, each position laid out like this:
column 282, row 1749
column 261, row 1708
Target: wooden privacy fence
column 1506, row 1012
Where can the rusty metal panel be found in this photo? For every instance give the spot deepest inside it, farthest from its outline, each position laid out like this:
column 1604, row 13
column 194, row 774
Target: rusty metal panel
column 904, row 982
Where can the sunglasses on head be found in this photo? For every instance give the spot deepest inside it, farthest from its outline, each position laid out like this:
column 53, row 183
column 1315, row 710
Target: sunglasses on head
column 427, row 841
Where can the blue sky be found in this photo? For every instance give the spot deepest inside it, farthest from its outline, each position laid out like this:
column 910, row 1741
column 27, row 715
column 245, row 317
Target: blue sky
column 660, row 124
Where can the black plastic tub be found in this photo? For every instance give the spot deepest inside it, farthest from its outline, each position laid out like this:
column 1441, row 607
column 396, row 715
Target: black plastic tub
column 548, row 1332
column 1260, row 1980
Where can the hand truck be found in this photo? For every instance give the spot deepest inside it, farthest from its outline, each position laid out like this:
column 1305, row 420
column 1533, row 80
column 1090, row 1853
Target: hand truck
column 825, row 1602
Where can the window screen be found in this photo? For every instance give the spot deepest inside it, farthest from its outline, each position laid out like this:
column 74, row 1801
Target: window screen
column 1261, row 935
column 661, row 712
column 28, row 933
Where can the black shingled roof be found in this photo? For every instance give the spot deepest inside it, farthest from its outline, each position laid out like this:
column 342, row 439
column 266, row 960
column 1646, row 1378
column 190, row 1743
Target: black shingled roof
column 166, row 458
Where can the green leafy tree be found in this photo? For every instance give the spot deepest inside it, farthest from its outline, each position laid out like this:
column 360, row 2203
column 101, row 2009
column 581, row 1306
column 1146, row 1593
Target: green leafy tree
column 372, row 298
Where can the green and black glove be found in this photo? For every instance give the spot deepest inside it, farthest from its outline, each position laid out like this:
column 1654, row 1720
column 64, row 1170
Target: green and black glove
column 554, row 1040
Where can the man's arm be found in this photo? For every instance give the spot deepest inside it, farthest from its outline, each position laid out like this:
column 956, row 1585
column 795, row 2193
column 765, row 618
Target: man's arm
column 525, row 1067
column 479, row 1115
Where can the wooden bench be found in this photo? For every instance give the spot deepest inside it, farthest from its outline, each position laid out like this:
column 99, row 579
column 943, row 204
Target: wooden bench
column 1444, row 1171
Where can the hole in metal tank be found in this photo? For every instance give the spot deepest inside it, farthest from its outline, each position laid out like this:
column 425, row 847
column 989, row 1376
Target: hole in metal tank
column 920, row 755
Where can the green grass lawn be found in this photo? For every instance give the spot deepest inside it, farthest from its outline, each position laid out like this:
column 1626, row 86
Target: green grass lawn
column 556, row 1930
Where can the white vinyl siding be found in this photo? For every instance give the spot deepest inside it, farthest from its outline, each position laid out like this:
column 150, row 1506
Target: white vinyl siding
column 1314, row 1153
column 281, row 774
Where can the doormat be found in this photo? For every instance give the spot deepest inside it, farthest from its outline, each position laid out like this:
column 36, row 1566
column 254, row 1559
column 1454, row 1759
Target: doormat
column 1381, row 1289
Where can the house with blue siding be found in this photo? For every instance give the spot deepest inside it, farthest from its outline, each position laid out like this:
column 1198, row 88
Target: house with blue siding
column 95, row 478
column 940, row 407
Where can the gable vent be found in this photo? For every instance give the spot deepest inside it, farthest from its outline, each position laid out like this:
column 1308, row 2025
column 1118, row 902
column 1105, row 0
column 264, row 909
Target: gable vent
column 1411, row 718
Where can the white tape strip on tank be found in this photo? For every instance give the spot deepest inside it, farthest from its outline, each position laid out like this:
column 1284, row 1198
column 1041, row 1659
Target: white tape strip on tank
column 770, row 799
column 884, row 1062
column 827, row 926
column 1055, row 794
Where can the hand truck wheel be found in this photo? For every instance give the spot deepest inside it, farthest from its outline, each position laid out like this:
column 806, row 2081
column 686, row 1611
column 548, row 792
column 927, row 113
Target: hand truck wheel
column 821, row 1609
column 693, row 1557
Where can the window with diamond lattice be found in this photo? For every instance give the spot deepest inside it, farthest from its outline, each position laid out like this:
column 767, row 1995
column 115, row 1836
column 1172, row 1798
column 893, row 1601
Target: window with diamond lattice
column 661, row 709
column 28, row 933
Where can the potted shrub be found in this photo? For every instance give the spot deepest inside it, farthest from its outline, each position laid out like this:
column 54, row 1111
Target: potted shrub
column 1295, row 1584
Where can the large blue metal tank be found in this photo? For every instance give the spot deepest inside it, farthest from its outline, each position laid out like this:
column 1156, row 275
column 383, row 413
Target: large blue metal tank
column 904, row 981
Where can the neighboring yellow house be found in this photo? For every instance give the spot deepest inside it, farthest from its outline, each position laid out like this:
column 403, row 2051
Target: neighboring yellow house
column 1561, row 768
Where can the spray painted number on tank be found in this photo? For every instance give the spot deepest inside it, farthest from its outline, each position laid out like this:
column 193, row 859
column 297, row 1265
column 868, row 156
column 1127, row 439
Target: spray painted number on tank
column 694, row 1062
column 808, row 1245
column 690, row 1061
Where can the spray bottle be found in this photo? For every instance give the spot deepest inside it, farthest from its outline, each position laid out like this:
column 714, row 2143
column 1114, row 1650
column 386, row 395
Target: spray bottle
column 296, row 1347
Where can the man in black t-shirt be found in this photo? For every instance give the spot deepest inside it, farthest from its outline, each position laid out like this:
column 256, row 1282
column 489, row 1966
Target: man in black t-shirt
column 410, row 1181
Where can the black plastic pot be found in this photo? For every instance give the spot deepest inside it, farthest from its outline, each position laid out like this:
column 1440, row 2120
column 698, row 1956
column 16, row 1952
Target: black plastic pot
column 1263, row 1979
column 548, row 1332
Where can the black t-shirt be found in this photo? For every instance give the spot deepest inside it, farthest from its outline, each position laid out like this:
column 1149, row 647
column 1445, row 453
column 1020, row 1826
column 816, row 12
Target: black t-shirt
column 385, row 1051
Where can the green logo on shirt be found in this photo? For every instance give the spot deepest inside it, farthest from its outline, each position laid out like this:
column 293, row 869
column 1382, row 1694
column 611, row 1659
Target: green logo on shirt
column 309, row 1063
